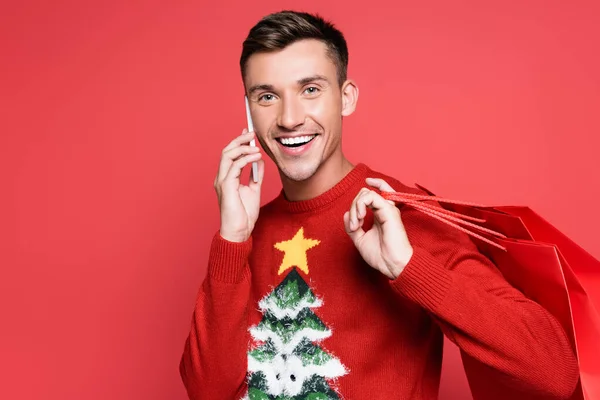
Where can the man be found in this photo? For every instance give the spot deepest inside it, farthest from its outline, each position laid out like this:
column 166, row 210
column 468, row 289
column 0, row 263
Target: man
column 333, row 292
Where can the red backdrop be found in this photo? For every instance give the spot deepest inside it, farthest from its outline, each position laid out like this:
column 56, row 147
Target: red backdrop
column 114, row 114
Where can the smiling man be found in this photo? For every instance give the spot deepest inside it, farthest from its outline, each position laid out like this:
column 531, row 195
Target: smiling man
column 333, row 292
column 302, row 136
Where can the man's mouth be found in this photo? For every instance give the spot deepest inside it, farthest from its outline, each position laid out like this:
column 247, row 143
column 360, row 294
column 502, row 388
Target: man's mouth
column 296, row 141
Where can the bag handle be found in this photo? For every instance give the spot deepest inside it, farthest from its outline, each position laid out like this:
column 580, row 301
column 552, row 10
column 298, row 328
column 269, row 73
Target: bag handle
column 448, row 217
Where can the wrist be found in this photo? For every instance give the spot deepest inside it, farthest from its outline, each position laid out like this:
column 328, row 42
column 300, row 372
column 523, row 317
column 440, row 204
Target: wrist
column 234, row 237
column 398, row 266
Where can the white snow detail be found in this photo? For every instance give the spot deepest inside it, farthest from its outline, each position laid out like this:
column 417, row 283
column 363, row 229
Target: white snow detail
column 270, row 305
column 262, row 334
column 286, row 376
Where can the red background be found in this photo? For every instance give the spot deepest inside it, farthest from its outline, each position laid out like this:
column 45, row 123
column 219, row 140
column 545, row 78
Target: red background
column 114, row 113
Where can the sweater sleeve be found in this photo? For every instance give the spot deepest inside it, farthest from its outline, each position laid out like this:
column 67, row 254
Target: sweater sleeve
column 214, row 360
column 516, row 339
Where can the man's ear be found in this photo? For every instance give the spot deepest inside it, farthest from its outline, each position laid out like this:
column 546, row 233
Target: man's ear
column 349, row 97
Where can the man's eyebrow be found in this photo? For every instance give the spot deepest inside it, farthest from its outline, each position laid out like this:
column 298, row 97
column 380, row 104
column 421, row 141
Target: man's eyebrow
column 312, row 78
column 256, row 88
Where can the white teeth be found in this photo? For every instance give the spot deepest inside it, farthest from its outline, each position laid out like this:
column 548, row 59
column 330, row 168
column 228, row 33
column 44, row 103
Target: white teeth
column 296, row 140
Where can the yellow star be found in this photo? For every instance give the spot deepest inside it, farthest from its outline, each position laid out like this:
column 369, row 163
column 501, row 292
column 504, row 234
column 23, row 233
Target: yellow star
column 295, row 252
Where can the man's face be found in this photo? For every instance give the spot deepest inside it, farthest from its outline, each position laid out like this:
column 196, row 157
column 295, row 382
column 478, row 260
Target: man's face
column 297, row 106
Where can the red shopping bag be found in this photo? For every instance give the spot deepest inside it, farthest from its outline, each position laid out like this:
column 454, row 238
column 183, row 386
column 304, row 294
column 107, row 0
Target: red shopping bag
column 540, row 261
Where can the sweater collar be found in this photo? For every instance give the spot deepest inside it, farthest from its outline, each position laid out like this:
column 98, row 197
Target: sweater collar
column 356, row 176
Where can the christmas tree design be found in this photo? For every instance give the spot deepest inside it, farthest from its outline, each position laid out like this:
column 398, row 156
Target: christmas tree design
column 288, row 364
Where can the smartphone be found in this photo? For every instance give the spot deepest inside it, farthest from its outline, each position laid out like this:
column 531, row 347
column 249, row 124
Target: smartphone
column 252, row 142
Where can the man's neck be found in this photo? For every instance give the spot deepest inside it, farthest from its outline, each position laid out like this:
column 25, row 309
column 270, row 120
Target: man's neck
column 327, row 176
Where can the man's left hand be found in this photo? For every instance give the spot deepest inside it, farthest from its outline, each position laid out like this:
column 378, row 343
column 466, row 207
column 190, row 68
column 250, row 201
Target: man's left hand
column 385, row 246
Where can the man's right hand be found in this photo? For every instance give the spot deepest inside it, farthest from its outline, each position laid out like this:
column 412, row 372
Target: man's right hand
column 239, row 204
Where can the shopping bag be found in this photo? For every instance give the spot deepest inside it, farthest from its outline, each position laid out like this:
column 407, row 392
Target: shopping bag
column 541, row 262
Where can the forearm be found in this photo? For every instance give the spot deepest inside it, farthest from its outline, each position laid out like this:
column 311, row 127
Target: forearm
column 492, row 322
column 213, row 364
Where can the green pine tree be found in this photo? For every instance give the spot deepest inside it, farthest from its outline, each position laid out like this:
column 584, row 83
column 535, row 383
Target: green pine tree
column 289, row 364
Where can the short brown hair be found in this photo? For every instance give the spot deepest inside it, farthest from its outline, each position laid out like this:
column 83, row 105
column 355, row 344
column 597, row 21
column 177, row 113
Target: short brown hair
column 278, row 30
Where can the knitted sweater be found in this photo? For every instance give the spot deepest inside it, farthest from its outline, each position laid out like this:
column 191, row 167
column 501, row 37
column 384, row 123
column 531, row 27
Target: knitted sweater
column 295, row 312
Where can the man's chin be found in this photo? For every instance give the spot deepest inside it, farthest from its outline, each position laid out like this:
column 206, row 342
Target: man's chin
column 298, row 173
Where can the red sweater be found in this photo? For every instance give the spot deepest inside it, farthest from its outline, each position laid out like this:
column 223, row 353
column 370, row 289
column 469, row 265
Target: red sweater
column 295, row 311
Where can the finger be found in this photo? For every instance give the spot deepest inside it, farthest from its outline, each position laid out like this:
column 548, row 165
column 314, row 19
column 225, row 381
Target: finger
column 354, row 210
column 382, row 209
column 233, row 154
column 245, row 137
column 361, row 207
column 229, row 156
column 224, row 163
column 355, row 234
column 235, row 171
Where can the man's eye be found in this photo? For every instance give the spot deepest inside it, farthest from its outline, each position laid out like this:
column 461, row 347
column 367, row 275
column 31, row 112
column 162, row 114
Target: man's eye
column 266, row 97
column 312, row 90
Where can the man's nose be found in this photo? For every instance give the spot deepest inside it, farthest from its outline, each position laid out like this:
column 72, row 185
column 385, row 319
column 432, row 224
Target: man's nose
column 291, row 114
